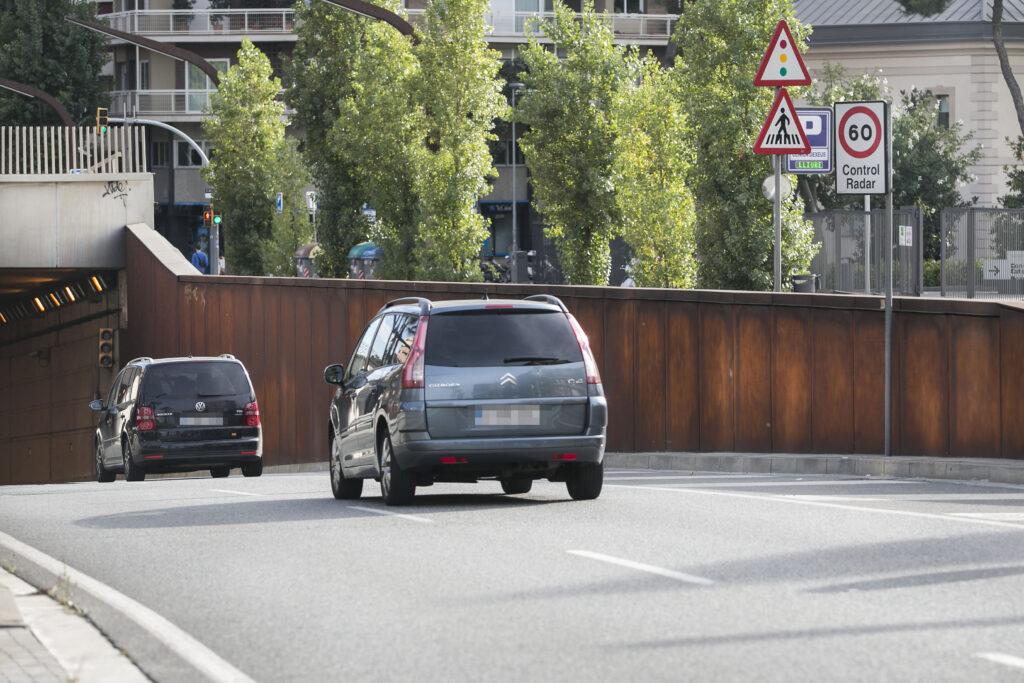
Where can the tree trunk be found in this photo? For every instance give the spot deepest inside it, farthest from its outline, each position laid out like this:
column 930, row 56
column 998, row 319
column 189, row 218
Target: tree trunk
column 1004, row 62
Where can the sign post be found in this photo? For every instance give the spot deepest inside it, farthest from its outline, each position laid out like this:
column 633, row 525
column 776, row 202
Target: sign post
column 864, row 167
column 782, row 132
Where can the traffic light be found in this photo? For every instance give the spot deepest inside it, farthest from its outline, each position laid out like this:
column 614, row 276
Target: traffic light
column 208, row 216
column 101, row 120
column 106, row 348
column 216, row 218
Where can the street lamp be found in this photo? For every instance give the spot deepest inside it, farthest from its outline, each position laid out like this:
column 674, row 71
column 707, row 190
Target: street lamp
column 515, row 223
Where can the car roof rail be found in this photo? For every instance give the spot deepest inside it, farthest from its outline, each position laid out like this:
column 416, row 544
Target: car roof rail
column 227, row 355
column 141, row 359
column 424, row 304
column 547, row 298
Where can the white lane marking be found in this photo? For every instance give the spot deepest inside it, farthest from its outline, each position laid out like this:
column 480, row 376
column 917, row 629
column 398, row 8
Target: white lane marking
column 188, row 648
column 699, row 477
column 833, row 498
column 1000, row 658
column 238, row 493
column 835, row 506
column 1000, row 516
column 678, row 576
column 803, row 482
column 411, row 518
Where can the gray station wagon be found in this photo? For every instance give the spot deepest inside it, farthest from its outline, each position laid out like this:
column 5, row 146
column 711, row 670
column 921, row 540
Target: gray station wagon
column 459, row 391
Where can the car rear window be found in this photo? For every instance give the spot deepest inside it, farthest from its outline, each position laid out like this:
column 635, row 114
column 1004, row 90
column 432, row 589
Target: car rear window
column 490, row 338
column 182, row 380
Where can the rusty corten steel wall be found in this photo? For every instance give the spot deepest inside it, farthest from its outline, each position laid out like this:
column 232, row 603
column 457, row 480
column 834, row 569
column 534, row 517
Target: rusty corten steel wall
column 683, row 370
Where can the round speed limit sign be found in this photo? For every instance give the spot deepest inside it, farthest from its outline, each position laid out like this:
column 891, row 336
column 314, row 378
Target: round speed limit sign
column 861, row 149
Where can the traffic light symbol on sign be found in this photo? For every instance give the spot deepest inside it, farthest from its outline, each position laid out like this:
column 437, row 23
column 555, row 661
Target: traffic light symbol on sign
column 106, row 348
column 101, row 120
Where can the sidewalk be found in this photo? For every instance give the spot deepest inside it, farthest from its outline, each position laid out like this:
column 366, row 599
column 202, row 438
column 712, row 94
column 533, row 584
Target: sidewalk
column 42, row 641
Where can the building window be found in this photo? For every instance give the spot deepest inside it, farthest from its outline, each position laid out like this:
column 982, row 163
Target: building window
column 187, row 157
column 629, row 6
column 501, row 153
column 144, row 74
column 199, row 85
column 160, row 153
column 943, row 115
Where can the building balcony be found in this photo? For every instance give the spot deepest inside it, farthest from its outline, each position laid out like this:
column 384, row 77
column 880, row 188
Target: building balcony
column 179, row 105
column 215, row 25
column 205, row 25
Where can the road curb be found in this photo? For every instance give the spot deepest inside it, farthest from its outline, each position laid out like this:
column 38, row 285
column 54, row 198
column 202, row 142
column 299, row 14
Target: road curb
column 910, row 467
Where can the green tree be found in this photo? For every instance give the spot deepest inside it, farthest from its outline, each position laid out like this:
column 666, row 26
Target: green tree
column 460, row 94
column 247, row 132
column 930, row 163
column 1014, row 199
column 570, row 143
column 719, row 41
column 321, row 72
column 652, row 161
column 291, row 228
column 41, row 49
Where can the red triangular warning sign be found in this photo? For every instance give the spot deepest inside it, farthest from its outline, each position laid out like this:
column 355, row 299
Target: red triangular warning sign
column 782, row 132
column 782, row 64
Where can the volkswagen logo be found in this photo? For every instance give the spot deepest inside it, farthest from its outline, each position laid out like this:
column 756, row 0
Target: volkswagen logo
column 507, row 378
column 200, row 406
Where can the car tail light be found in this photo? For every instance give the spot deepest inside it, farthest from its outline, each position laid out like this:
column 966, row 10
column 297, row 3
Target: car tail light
column 252, row 415
column 449, row 460
column 144, row 419
column 412, row 375
column 564, row 456
column 589, row 364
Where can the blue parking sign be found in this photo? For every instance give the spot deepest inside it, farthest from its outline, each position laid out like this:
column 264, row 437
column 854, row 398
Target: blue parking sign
column 817, row 124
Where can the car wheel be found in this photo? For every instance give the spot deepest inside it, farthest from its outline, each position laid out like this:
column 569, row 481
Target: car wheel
column 103, row 475
column 132, row 472
column 512, row 485
column 342, row 488
column 584, row 481
column 253, row 469
column 219, row 472
column 397, row 487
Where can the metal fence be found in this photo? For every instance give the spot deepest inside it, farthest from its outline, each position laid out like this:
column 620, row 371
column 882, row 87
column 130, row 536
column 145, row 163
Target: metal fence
column 982, row 253
column 42, row 150
column 851, row 257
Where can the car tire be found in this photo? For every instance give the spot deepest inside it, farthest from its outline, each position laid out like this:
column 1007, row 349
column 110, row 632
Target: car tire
column 397, row 487
column 341, row 487
column 513, row 485
column 253, row 469
column 584, row 481
column 219, row 472
column 132, row 472
column 103, row 475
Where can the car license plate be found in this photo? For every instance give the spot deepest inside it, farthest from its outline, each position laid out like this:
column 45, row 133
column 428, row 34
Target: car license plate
column 508, row 415
column 201, row 421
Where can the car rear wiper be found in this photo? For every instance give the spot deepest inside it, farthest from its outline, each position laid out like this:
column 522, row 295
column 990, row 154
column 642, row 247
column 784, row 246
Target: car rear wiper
column 537, row 360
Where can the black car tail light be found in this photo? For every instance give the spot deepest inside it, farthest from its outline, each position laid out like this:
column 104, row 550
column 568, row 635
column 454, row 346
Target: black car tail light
column 252, row 415
column 145, row 420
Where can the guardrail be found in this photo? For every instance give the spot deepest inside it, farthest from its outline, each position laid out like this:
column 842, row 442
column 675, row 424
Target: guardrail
column 202, row 22
column 44, row 150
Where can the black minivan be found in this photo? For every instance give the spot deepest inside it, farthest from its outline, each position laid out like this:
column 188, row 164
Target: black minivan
column 179, row 415
column 459, row 391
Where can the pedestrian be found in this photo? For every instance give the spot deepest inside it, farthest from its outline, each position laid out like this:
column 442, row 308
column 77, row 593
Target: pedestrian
column 200, row 261
column 223, row 265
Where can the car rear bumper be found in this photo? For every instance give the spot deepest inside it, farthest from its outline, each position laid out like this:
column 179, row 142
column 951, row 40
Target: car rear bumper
column 167, row 456
column 428, row 453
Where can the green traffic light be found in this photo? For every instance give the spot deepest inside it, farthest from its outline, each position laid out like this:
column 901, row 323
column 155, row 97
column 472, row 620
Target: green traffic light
column 216, row 220
column 103, row 129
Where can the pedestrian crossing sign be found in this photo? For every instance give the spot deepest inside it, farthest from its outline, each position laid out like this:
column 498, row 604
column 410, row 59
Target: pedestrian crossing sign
column 782, row 132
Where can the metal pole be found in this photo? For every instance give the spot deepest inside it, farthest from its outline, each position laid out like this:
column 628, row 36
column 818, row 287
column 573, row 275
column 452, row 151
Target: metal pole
column 888, row 287
column 867, row 244
column 514, row 261
column 777, row 215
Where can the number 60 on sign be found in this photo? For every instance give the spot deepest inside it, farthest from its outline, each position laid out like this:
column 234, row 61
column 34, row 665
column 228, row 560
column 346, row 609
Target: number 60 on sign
column 862, row 163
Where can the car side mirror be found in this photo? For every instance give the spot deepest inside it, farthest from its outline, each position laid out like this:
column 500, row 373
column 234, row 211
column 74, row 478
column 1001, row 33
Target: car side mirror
column 96, row 405
column 334, row 374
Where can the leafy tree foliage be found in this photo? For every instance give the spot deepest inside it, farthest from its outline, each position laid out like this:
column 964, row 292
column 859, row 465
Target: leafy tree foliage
column 460, row 95
column 930, row 163
column 41, row 49
column 652, row 161
column 718, row 42
column 570, row 143
column 289, row 229
column 1014, row 199
column 321, row 74
column 247, row 132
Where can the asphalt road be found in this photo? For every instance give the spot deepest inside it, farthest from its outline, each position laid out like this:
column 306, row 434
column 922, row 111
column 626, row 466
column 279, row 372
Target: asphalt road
column 668, row 576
